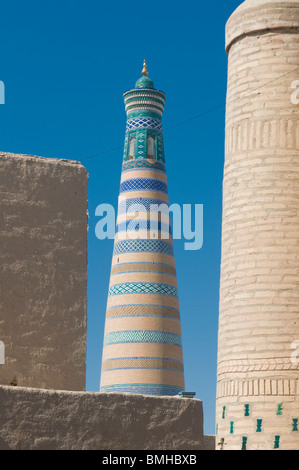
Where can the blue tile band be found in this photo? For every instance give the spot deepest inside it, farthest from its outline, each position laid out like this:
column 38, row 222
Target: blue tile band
column 144, row 122
column 143, row 184
column 143, row 246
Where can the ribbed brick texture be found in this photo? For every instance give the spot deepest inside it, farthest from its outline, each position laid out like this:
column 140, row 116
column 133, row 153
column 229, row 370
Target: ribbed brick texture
column 258, row 384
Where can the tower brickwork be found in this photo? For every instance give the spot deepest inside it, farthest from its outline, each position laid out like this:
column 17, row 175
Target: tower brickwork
column 258, row 371
column 142, row 350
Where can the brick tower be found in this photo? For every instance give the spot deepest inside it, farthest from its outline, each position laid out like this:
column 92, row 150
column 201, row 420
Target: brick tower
column 258, row 374
column 142, row 350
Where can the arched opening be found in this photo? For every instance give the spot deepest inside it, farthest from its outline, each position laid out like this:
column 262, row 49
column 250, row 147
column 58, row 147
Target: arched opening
column 150, row 147
column 132, row 148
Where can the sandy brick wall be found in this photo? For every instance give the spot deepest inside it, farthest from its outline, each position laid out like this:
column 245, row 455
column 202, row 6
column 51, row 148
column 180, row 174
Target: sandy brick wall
column 259, row 291
column 43, row 271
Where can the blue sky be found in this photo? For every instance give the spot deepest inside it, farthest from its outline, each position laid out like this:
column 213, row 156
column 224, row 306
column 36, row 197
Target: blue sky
column 65, row 66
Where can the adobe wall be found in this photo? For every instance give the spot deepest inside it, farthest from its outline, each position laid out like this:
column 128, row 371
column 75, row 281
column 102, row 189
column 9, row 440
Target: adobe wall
column 61, row 420
column 43, row 271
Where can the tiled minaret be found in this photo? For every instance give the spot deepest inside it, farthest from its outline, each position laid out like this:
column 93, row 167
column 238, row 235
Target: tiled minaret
column 142, row 350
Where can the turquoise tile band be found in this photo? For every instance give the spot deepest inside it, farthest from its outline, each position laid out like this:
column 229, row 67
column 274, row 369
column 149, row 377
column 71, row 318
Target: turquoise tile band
column 143, row 336
column 143, row 288
column 143, row 389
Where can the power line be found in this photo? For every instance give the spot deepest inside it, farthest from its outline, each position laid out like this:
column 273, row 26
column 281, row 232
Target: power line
column 196, row 116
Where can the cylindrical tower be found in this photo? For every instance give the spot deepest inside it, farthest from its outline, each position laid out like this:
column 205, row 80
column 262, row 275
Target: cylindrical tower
column 142, row 350
column 258, row 371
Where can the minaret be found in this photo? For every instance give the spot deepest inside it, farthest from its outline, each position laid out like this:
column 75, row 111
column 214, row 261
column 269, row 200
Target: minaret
column 258, row 366
column 142, row 350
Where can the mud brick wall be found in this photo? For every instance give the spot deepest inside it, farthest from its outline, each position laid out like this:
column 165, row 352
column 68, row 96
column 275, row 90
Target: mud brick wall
column 43, row 271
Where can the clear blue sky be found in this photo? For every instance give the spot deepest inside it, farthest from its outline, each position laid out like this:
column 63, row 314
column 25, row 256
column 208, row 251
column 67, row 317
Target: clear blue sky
column 65, row 66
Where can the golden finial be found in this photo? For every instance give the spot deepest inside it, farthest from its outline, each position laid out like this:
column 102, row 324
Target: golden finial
column 144, row 70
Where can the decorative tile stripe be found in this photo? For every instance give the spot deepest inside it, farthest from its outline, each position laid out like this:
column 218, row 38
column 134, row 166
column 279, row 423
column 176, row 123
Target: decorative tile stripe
column 153, row 172
column 144, row 123
column 143, row 246
column 147, row 104
column 143, row 267
column 152, row 114
column 141, row 205
column 144, row 95
column 143, row 389
column 137, row 225
column 144, row 100
column 143, row 184
column 145, row 113
column 143, row 288
column 143, row 363
column 150, row 106
column 143, row 163
column 144, row 92
column 143, row 336
column 142, row 310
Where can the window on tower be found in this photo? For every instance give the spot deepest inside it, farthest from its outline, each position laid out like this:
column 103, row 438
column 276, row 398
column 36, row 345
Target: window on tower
column 132, row 148
column 150, row 147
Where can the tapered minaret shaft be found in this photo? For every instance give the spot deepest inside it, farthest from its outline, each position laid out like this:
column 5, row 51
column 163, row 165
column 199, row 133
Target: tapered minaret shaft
column 142, row 350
